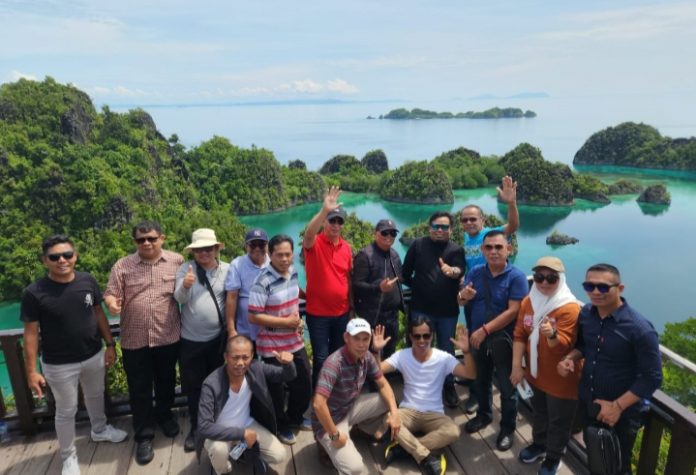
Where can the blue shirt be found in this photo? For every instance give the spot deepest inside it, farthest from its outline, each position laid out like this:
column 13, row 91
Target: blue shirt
column 472, row 247
column 621, row 353
column 511, row 284
column 240, row 277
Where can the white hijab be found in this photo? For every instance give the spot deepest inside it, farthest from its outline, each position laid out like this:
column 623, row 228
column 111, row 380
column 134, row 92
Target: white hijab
column 542, row 305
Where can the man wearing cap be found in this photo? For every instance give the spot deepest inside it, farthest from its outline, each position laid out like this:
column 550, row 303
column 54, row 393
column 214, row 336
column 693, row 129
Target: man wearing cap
column 338, row 404
column 241, row 275
column 328, row 262
column 202, row 318
column 377, row 290
column 141, row 290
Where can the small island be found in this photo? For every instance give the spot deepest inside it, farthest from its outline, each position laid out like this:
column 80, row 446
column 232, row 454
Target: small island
column 493, row 113
column 560, row 239
column 656, row 195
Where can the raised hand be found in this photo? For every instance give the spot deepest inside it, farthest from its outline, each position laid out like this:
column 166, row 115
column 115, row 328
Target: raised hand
column 189, row 278
column 331, row 198
column 387, row 285
column 508, row 192
column 546, row 327
column 378, row 340
column 467, row 293
column 462, row 342
column 283, row 357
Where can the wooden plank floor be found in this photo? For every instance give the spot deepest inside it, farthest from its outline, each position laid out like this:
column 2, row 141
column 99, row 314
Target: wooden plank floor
column 472, row 454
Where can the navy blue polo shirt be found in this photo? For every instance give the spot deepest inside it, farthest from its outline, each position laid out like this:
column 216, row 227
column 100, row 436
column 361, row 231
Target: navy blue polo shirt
column 621, row 354
column 511, row 284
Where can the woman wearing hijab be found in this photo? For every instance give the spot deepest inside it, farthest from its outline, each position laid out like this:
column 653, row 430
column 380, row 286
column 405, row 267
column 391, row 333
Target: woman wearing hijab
column 545, row 331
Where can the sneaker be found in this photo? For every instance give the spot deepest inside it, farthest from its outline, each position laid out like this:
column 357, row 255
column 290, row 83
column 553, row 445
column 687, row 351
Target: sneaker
column 287, row 437
column 393, row 452
column 432, row 465
column 71, row 466
column 109, row 434
column 306, row 424
column 532, row 453
column 449, row 394
column 476, row 424
column 549, row 467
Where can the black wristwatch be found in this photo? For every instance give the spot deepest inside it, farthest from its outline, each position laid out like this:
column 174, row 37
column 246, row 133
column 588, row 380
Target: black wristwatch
column 335, row 436
column 554, row 334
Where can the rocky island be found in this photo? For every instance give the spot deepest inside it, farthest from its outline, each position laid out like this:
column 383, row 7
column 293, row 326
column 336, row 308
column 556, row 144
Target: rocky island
column 492, row 113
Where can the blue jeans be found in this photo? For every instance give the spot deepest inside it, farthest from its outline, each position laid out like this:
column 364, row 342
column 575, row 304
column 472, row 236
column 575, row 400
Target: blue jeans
column 485, row 365
column 445, row 328
column 326, row 336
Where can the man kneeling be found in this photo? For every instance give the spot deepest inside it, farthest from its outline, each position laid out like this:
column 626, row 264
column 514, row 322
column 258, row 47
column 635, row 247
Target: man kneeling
column 424, row 370
column 235, row 406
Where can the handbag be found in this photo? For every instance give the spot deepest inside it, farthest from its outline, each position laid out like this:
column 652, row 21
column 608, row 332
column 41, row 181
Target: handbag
column 603, row 449
column 498, row 344
column 202, row 277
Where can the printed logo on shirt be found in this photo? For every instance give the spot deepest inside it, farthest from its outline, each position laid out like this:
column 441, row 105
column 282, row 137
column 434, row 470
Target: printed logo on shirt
column 528, row 321
column 89, row 301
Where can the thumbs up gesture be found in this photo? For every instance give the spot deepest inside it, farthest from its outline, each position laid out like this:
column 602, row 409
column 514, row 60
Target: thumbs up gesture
column 189, row 278
column 467, row 293
column 387, row 285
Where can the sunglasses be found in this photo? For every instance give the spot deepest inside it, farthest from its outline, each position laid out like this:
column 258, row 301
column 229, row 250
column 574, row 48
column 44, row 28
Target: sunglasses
column 257, row 243
column 150, row 239
column 440, row 227
column 203, row 249
column 391, row 233
column 550, row 278
column 67, row 255
column 468, row 220
column 490, row 247
column 421, row 336
column 338, row 221
column 603, row 288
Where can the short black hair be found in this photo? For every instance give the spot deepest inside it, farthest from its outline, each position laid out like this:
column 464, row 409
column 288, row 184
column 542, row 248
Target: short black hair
column 147, row 226
column 603, row 267
column 494, row 233
column 277, row 240
column 51, row 241
column 239, row 339
column 418, row 321
column 440, row 214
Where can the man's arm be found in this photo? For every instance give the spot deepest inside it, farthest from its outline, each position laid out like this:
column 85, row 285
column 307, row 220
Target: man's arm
column 105, row 332
column 330, row 204
column 231, row 311
column 35, row 379
column 498, row 323
column 508, row 195
column 321, row 410
column 207, row 426
column 408, row 266
column 387, row 394
column 266, row 320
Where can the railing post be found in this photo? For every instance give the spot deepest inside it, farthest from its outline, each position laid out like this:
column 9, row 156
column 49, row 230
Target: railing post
column 681, row 459
column 20, row 386
column 650, row 446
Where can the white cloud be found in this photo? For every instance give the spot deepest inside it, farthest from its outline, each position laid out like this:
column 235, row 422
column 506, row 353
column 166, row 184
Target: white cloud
column 344, row 87
column 17, row 75
column 307, row 85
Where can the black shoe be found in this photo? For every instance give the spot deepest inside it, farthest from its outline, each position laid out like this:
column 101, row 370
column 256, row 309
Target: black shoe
column 143, row 452
column 169, row 427
column 449, row 394
column 471, row 405
column 393, row 451
column 476, row 424
column 504, row 441
column 431, row 465
column 532, row 453
column 190, row 441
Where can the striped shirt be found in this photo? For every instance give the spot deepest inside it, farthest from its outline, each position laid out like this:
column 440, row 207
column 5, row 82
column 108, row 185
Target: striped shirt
column 149, row 313
column 340, row 381
column 277, row 296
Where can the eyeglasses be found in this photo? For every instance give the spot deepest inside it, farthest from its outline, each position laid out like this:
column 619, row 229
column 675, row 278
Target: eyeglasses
column 391, row 233
column 468, row 220
column 338, row 221
column 204, row 249
column 490, row 247
column 257, row 243
column 421, row 336
column 550, row 278
column 67, row 255
column 440, row 227
column 603, row 288
column 150, row 239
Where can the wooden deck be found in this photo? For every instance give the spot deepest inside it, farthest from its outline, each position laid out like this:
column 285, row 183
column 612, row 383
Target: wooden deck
column 472, row 454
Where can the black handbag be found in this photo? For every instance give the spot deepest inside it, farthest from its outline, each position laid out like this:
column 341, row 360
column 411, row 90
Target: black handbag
column 603, row 449
column 498, row 344
column 202, row 277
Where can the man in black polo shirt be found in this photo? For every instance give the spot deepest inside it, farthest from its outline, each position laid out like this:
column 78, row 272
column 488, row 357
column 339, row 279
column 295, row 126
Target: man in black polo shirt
column 622, row 365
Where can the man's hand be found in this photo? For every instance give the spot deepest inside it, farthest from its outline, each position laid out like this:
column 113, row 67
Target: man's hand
column 293, row 321
column 331, row 199
column 249, row 437
column 467, row 293
column 189, row 278
column 114, row 305
column 462, row 342
column 546, row 327
column 508, row 192
column 378, row 340
column 516, row 375
column 109, row 356
column 394, row 422
column 448, row 270
column 36, row 383
column 387, row 285
column 477, row 338
column 609, row 412
column 341, row 441
column 565, row 367
column 283, row 357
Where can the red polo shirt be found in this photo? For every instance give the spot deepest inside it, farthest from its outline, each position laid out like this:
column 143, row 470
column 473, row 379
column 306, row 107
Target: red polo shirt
column 328, row 267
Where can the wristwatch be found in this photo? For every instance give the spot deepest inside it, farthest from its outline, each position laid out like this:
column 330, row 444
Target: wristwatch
column 335, row 436
column 111, row 343
column 554, row 334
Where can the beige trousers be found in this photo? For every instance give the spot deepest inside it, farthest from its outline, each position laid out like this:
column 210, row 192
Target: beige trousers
column 439, row 431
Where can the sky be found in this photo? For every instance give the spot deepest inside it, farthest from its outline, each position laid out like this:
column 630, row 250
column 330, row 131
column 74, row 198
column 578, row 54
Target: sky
column 181, row 52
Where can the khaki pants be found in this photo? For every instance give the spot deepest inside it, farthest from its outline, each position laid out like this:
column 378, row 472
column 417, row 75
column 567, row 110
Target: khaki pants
column 439, row 429
column 272, row 451
column 367, row 413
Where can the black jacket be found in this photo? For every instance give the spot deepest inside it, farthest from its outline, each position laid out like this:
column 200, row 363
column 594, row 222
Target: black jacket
column 370, row 267
column 214, row 395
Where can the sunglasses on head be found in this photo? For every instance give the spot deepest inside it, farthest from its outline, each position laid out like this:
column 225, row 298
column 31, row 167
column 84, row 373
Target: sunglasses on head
column 550, row 278
column 440, row 227
column 257, row 243
column 150, row 239
column 421, row 336
column 390, row 232
column 603, row 288
column 468, row 220
column 67, row 255
column 338, row 221
column 490, row 247
column 204, row 249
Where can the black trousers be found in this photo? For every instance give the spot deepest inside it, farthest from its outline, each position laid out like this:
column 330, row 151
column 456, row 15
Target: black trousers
column 144, row 368
column 553, row 420
column 197, row 359
column 299, row 392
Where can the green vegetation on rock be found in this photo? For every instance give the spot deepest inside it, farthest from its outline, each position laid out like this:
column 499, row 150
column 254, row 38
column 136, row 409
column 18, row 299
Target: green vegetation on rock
column 655, row 194
column 416, row 182
column 493, row 113
column 624, row 187
column 467, row 169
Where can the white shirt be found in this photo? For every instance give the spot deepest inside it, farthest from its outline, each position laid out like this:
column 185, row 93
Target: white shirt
column 423, row 381
column 236, row 412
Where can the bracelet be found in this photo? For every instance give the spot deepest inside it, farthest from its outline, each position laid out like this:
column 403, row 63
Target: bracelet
column 616, row 401
column 485, row 330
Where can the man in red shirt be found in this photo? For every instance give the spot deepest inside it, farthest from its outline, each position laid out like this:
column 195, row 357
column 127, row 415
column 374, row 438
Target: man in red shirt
column 328, row 263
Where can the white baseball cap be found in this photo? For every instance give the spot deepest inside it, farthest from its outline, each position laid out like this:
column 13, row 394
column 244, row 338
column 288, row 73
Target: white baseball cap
column 358, row 325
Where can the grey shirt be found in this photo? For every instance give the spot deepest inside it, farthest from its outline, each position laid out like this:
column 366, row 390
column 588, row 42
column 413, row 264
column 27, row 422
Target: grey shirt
column 199, row 317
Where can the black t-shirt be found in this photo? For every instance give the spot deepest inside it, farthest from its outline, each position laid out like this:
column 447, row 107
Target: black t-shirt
column 65, row 312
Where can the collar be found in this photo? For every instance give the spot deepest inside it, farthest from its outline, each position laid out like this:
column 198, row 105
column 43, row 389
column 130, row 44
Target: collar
column 271, row 270
column 619, row 315
column 252, row 264
column 140, row 260
column 380, row 250
column 326, row 240
column 508, row 268
column 348, row 357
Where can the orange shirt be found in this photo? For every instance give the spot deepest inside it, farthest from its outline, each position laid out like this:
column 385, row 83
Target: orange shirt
column 548, row 379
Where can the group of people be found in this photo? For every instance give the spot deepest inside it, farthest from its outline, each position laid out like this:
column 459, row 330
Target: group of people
column 238, row 336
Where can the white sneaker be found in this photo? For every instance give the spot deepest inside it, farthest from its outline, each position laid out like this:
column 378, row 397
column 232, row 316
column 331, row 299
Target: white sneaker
column 71, row 466
column 109, row 434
